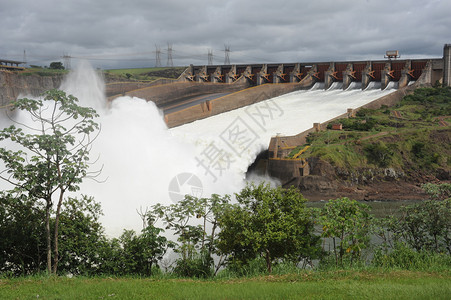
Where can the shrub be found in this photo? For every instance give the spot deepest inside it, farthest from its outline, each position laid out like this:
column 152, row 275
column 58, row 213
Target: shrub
column 379, row 154
column 424, row 226
column 349, row 224
column 404, row 257
column 200, row 267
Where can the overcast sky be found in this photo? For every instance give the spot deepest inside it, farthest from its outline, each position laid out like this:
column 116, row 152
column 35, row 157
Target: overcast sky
column 116, row 33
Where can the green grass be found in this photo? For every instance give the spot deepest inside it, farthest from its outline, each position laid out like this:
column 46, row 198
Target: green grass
column 147, row 73
column 43, row 72
column 308, row 285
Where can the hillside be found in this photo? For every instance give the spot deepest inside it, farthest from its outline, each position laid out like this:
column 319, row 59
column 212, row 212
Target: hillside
column 382, row 154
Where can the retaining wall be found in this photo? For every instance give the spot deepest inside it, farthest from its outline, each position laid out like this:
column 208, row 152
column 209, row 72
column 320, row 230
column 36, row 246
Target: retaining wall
column 230, row 102
column 116, row 89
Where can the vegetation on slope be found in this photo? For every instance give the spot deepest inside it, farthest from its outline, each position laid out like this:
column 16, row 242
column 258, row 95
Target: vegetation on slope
column 145, row 74
column 415, row 135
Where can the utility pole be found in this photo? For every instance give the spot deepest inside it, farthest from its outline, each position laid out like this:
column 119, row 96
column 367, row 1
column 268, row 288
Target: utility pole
column 24, row 57
column 210, row 57
column 170, row 63
column 227, row 54
column 157, row 56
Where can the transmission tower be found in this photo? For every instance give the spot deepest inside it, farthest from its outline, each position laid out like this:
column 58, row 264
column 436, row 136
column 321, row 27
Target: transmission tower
column 157, row 56
column 227, row 55
column 67, row 58
column 210, row 57
column 170, row 63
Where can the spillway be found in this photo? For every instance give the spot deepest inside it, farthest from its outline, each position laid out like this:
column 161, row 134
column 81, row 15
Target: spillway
column 145, row 163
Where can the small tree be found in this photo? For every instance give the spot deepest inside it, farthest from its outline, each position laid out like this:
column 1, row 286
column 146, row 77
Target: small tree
column 269, row 222
column 425, row 226
column 134, row 254
column 379, row 154
column 81, row 235
column 438, row 191
column 56, row 65
column 53, row 155
column 348, row 223
column 196, row 242
column 181, row 219
column 22, row 238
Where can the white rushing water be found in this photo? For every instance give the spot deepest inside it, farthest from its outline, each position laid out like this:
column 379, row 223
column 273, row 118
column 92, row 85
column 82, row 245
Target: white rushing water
column 143, row 161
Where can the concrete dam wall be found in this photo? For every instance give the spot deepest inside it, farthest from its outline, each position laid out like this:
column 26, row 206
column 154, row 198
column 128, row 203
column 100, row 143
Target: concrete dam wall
column 249, row 84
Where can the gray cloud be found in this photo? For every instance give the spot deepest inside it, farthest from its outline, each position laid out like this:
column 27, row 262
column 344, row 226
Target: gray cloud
column 114, row 33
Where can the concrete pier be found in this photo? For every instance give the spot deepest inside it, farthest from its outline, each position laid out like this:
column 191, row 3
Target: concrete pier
column 347, row 72
column 447, row 65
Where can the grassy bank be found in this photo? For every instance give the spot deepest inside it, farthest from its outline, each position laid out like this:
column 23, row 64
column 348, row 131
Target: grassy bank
column 146, row 74
column 43, row 72
column 307, row 285
column 412, row 136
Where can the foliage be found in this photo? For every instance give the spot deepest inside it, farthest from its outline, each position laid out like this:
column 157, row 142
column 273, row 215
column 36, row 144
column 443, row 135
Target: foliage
column 22, row 242
column 269, row 222
column 404, row 257
column 81, row 235
column 56, row 65
column 349, row 225
column 424, row 154
column 379, row 154
column 146, row 73
column 138, row 254
column 365, row 112
column 22, row 228
column 425, row 226
column 438, row 191
column 199, row 265
column 429, row 96
column 53, row 155
column 195, row 246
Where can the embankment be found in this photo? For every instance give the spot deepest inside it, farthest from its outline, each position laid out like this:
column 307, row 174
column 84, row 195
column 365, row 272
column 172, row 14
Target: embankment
column 13, row 84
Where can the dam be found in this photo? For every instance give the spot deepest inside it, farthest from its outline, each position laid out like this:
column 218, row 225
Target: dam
column 204, row 91
column 153, row 133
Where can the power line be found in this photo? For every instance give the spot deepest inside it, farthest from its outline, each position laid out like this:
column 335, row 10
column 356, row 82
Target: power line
column 157, row 56
column 67, row 59
column 210, row 57
column 170, row 63
column 152, row 56
column 227, row 54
